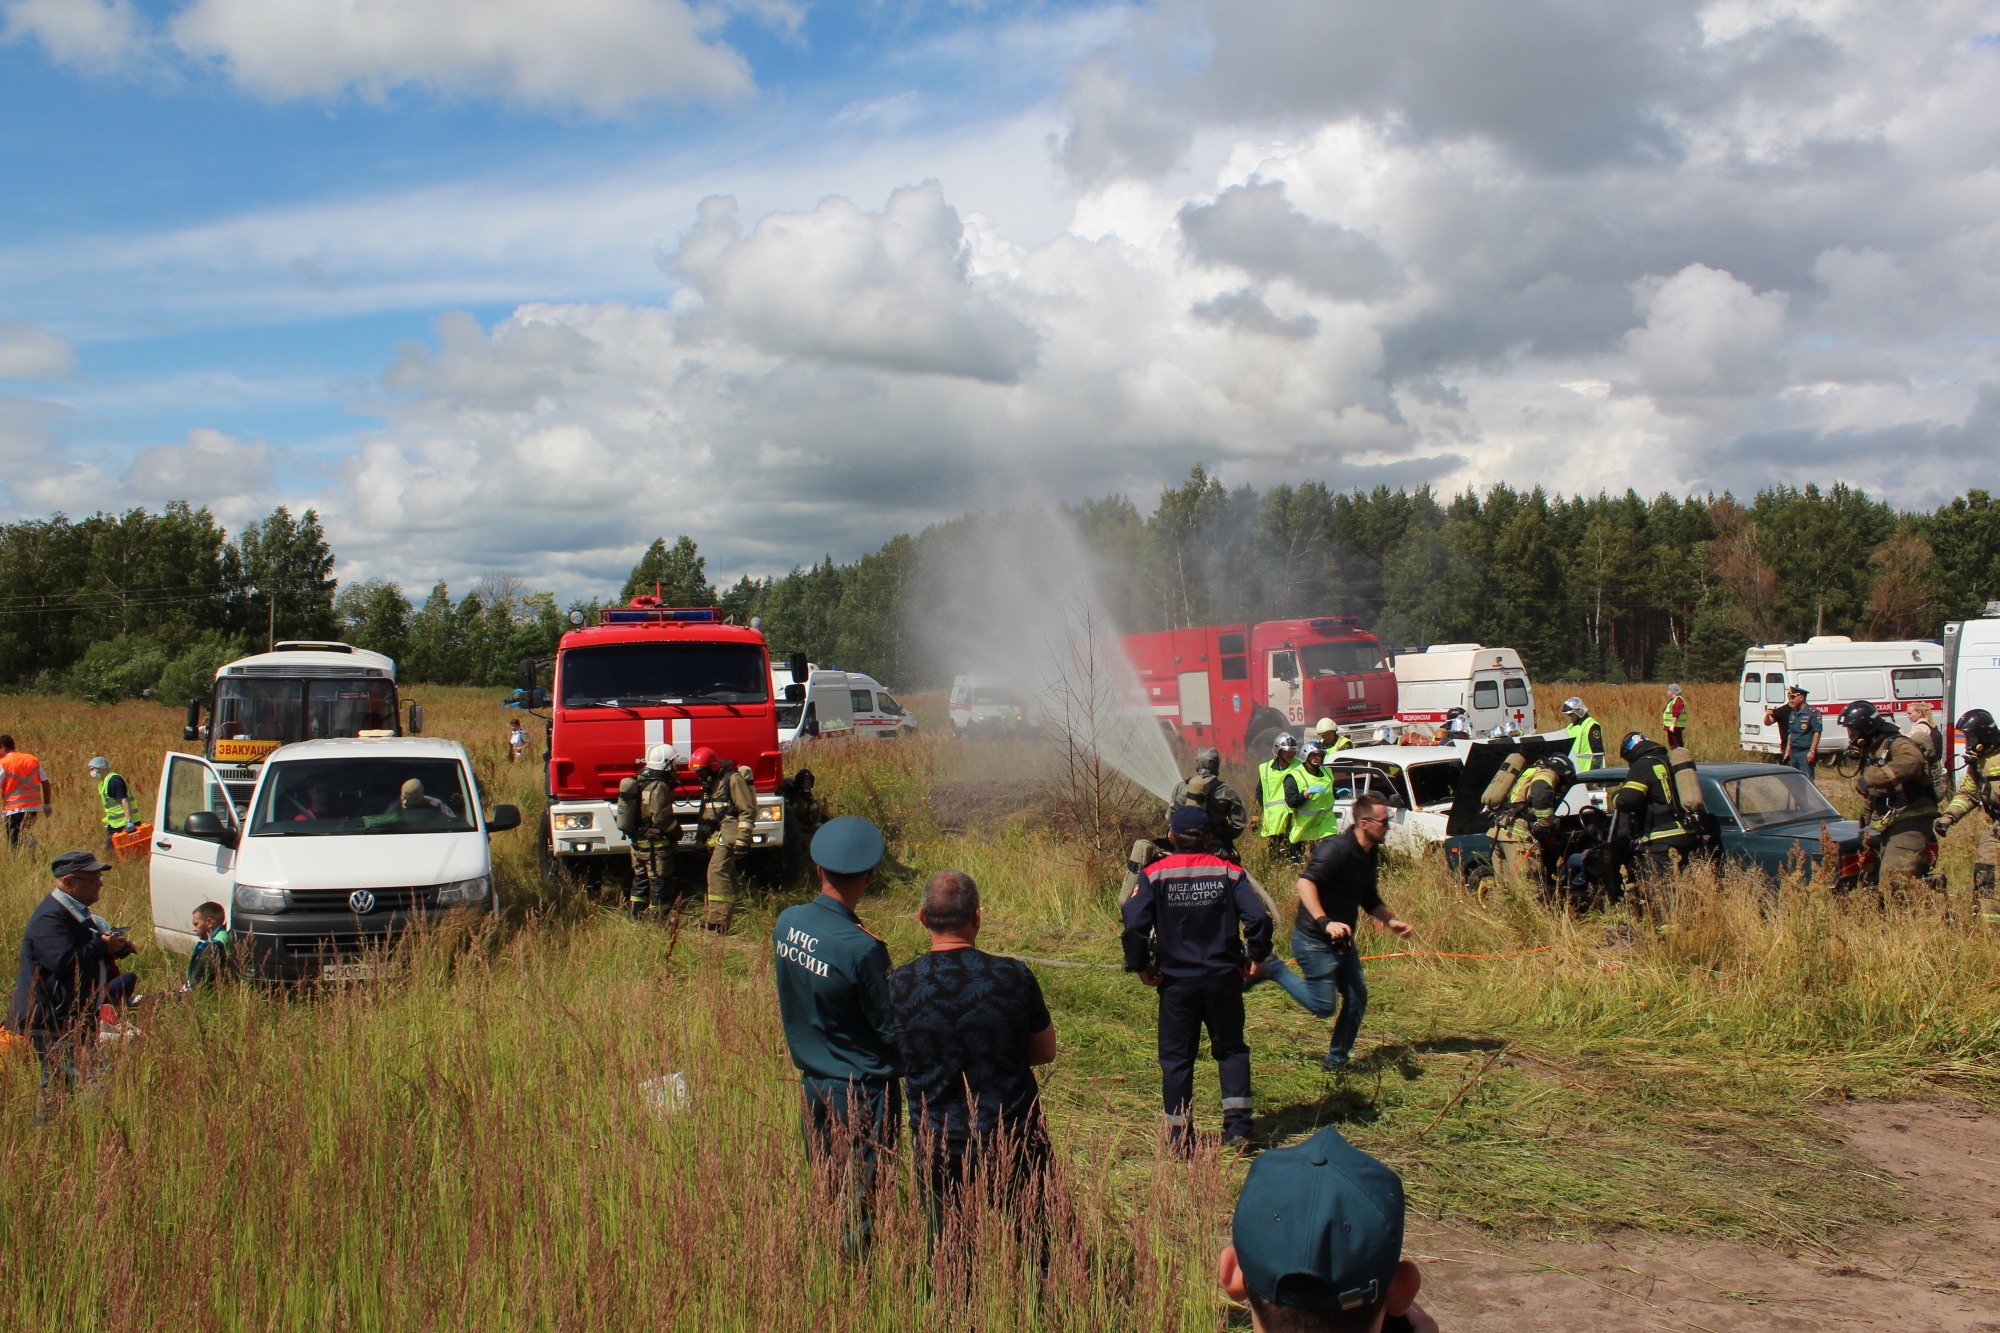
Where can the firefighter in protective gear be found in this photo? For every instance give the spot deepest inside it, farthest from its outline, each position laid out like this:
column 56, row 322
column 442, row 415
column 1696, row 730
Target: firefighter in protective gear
column 1330, row 737
column 1586, row 735
column 1673, row 718
column 1309, row 795
column 729, row 818
column 1650, row 819
column 1895, row 781
column 1227, row 817
column 1526, row 821
column 1275, row 817
column 1980, row 790
column 646, row 817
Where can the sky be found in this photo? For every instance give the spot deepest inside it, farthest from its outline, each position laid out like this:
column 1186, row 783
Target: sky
column 519, row 285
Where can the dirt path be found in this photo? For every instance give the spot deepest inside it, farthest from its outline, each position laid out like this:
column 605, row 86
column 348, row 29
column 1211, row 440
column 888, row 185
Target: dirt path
column 1941, row 1271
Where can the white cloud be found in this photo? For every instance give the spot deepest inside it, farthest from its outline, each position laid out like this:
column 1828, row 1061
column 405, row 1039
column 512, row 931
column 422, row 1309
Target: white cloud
column 96, row 36
column 1706, row 333
column 890, row 289
column 599, row 56
column 29, row 353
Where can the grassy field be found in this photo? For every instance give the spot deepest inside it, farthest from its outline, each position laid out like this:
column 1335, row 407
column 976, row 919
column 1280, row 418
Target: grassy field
column 472, row 1144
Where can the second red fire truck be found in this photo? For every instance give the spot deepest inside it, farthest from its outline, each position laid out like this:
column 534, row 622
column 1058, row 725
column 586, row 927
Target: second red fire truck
column 1235, row 687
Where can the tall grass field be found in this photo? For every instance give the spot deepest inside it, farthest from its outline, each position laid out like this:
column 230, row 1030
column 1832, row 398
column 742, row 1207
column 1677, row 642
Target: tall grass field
column 491, row 1136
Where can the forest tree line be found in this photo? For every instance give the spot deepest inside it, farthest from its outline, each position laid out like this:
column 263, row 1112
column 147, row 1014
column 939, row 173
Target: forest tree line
column 1588, row 587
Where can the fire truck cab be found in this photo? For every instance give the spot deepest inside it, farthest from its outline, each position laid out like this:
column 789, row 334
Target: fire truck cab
column 642, row 675
column 1235, row 687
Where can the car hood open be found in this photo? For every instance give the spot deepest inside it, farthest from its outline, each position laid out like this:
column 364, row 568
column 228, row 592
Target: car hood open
column 1482, row 761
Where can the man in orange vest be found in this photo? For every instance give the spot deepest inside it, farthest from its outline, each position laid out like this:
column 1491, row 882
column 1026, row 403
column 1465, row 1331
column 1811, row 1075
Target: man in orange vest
column 24, row 790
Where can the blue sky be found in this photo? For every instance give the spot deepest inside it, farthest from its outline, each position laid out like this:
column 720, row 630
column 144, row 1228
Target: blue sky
column 445, row 270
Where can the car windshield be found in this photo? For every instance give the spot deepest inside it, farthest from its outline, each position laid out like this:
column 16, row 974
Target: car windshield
column 362, row 794
column 1434, row 784
column 1764, row 799
column 788, row 715
column 1320, row 660
column 629, row 674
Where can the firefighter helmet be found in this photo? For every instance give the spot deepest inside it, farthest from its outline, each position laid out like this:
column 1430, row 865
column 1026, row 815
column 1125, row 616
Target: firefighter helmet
column 1575, row 708
column 1862, row 721
column 1562, row 766
column 1630, row 745
column 705, row 760
column 1980, row 731
column 661, row 758
column 1285, row 741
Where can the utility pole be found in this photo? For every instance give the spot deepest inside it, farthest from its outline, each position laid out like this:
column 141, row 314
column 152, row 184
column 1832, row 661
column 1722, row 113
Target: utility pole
column 271, row 632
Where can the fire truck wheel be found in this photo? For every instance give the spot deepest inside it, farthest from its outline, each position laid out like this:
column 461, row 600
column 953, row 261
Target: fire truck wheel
column 1261, row 743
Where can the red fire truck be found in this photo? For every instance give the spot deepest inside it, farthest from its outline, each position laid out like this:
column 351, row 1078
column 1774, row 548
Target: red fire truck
column 644, row 674
column 1237, row 686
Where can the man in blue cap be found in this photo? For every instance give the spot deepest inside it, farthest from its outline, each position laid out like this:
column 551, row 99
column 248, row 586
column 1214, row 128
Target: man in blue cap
column 1196, row 929
column 833, row 994
column 1317, row 1243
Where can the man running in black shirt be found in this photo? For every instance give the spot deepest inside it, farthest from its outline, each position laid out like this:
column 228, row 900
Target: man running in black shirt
column 1337, row 885
column 973, row 1027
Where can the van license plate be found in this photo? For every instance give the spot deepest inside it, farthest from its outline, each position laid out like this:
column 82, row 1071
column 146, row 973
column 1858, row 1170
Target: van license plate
column 347, row 972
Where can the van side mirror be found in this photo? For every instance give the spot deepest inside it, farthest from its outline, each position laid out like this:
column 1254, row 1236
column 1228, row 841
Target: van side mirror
column 503, row 818
column 524, row 679
column 1285, row 668
column 208, row 826
column 192, row 730
column 416, row 719
column 794, row 693
column 800, row 668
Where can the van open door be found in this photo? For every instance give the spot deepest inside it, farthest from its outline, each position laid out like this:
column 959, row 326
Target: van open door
column 189, row 870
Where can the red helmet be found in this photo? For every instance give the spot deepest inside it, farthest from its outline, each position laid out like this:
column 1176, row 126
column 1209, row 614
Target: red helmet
column 704, row 760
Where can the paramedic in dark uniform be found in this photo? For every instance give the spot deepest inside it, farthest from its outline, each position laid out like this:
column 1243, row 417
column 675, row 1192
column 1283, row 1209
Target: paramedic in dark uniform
column 833, row 994
column 1187, row 926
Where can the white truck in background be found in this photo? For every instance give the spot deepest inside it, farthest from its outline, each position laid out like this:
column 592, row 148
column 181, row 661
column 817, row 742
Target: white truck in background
column 1834, row 671
column 820, row 707
column 1972, row 673
column 1490, row 684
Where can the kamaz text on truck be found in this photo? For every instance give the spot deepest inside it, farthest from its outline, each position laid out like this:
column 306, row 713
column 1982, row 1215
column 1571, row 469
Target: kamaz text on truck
column 296, row 692
column 1235, row 687
column 642, row 675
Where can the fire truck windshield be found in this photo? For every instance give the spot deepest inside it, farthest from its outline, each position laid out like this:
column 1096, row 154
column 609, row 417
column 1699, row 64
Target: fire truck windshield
column 628, row 674
column 1320, row 660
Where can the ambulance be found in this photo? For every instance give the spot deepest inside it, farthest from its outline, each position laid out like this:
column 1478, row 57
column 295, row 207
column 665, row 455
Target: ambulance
column 1834, row 671
column 819, row 706
column 1972, row 673
column 1490, row 684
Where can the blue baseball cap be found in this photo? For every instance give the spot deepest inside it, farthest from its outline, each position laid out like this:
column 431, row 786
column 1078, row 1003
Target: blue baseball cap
column 847, row 846
column 1319, row 1225
column 1188, row 819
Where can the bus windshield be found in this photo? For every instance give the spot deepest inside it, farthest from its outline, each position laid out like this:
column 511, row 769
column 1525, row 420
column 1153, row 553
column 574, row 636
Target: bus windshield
column 616, row 675
column 287, row 710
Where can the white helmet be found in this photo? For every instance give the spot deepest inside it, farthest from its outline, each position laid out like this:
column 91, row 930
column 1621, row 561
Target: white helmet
column 1576, row 707
column 660, row 758
column 1325, row 725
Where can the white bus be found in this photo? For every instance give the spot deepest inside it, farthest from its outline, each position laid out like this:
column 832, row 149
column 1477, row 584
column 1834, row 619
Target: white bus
column 1834, row 671
column 1490, row 684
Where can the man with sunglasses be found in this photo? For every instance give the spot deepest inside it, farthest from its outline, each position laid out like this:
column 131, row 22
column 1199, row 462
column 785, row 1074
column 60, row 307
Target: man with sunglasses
column 1337, row 885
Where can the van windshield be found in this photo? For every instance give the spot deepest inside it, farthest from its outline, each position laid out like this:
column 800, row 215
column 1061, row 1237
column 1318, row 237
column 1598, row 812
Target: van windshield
column 629, row 674
column 362, row 794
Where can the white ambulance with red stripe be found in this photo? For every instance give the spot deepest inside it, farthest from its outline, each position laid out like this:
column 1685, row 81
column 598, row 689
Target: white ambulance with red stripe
column 1490, row 684
column 1835, row 670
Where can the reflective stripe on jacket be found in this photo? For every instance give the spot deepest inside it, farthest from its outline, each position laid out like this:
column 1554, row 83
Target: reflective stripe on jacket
column 20, row 783
column 114, row 811
column 1271, row 796
column 1315, row 817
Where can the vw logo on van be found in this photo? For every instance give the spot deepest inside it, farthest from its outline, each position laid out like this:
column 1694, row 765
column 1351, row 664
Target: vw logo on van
column 362, row 901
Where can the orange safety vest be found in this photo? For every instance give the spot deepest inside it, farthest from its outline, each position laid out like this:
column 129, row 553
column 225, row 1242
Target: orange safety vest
column 20, row 783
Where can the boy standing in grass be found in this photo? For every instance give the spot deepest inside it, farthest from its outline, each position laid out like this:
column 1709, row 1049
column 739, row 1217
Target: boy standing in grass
column 210, row 963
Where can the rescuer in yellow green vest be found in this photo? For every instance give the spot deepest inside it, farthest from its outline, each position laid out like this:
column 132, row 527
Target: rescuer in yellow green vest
column 1586, row 735
column 1309, row 796
column 1673, row 718
column 1331, row 737
column 115, row 796
column 1276, row 817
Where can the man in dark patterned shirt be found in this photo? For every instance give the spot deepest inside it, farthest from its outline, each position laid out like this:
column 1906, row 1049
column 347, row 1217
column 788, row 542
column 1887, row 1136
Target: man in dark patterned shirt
column 973, row 1027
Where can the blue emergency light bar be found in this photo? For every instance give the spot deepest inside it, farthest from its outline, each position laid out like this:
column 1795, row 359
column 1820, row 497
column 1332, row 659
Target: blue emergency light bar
column 653, row 615
column 1329, row 624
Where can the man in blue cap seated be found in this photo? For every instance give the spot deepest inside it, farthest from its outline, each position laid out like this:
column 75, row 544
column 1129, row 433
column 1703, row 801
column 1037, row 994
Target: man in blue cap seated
column 833, row 994
column 1195, row 929
column 1317, row 1244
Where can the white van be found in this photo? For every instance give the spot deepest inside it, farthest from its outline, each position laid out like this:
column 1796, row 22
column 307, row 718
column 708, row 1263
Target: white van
column 1490, row 684
column 823, row 706
column 1972, row 671
column 877, row 715
column 344, row 845
column 987, row 707
column 1834, row 671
